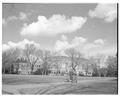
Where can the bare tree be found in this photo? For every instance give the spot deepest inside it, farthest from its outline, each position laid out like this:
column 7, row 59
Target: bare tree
column 5, row 56
column 74, row 57
column 112, row 66
column 99, row 61
column 45, row 56
column 86, row 69
column 9, row 57
column 5, row 60
column 32, row 55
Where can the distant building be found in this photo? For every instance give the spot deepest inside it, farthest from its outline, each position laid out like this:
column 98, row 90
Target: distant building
column 59, row 65
column 24, row 66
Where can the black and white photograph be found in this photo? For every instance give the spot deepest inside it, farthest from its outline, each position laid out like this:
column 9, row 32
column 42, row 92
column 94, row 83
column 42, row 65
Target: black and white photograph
column 59, row 48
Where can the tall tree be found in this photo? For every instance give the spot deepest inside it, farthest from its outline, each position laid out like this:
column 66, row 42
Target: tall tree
column 74, row 57
column 94, row 66
column 112, row 66
column 45, row 56
column 32, row 55
column 100, row 60
column 9, row 58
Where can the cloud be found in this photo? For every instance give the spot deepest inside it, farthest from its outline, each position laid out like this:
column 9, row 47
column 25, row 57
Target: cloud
column 79, row 43
column 20, row 44
column 11, row 18
column 84, row 46
column 79, row 40
column 22, row 16
column 108, row 12
column 99, row 41
column 109, row 50
column 64, row 38
column 5, row 47
column 4, row 22
column 54, row 25
column 62, row 45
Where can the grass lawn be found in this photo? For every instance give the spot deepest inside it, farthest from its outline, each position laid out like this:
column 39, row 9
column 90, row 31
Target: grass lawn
column 37, row 84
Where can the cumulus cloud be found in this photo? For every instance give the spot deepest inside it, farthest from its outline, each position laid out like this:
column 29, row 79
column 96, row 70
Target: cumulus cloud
column 99, row 41
column 20, row 44
column 21, row 16
column 5, row 47
column 62, row 45
column 109, row 50
column 54, row 25
column 79, row 43
column 11, row 18
column 4, row 22
column 79, row 40
column 84, row 46
column 108, row 12
column 64, row 38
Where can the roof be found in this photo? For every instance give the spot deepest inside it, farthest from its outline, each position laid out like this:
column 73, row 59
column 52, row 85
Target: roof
column 21, row 60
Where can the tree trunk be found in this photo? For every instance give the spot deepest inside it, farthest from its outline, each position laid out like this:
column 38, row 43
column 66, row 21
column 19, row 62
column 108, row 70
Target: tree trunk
column 4, row 69
column 86, row 73
column 45, row 72
column 10, row 68
column 17, row 68
column 31, row 71
column 42, row 72
column 99, row 73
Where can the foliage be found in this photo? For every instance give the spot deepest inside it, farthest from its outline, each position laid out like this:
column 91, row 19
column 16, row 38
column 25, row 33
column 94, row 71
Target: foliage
column 112, row 66
column 9, row 57
column 95, row 70
column 45, row 56
column 111, row 69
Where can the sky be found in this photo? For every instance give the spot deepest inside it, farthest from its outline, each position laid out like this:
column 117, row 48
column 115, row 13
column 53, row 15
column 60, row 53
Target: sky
column 90, row 28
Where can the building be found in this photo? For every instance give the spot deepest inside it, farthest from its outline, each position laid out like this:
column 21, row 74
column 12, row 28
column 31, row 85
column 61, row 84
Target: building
column 24, row 67
column 59, row 65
